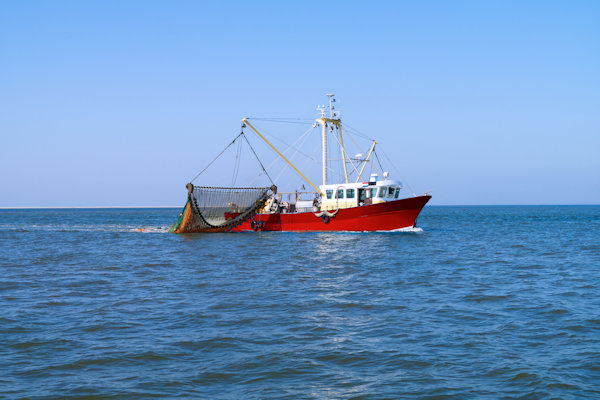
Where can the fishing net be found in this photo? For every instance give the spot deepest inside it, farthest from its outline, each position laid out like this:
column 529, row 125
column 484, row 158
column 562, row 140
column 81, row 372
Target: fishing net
column 218, row 209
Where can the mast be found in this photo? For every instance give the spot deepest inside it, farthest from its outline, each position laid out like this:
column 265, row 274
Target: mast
column 334, row 120
column 324, row 143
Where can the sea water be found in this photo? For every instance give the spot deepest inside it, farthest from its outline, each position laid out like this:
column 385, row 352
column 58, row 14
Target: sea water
column 480, row 302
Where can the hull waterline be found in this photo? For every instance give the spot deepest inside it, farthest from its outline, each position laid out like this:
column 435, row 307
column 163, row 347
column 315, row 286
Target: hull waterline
column 387, row 216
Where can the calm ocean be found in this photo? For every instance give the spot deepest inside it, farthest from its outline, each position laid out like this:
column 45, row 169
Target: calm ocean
column 484, row 303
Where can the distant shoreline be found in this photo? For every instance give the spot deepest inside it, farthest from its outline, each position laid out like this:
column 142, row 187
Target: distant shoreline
column 82, row 207
column 146, row 207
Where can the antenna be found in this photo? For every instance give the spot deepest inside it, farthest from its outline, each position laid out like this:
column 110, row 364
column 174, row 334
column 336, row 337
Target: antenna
column 331, row 107
column 321, row 110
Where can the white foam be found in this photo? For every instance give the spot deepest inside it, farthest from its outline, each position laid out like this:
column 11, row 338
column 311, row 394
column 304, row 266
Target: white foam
column 408, row 229
column 83, row 228
column 151, row 229
column 412, row 229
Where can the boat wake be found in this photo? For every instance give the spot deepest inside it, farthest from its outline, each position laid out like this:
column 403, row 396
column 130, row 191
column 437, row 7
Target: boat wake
column 81, row 228
column 151, row 229
column 410, row 229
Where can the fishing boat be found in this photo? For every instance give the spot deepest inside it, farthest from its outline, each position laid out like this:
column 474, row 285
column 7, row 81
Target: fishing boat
column 356, row 203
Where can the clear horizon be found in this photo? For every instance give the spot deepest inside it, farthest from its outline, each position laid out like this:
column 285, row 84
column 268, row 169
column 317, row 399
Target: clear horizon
column 112, row 103
column 180, row 207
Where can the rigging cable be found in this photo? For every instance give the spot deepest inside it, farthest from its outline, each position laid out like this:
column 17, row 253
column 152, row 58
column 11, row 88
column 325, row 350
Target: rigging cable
column 358, row 133
column 384, row 155
column 351, row 136
column 301, row 139
column 290, row 147
column 283, row 120
column 398, row 172
column 236, row 165
column 261, row 164
column 349, row 159
column 219, row 155
column 379, row 162
column 274, row 137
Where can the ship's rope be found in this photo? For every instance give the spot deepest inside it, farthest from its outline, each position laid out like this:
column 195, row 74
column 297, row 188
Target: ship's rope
column 379, row 162
column 215, row 159
column 299, row 121
column 384, row 154
column 357, row 132
column 351, row 136
column 345, row 152
column 236, row 165
column 295, row 144
column 260, row 162
column 304, row 137
column 292, row 147
column 398, row 172
column 237, row 161
column 283, row 142
column 347, row 129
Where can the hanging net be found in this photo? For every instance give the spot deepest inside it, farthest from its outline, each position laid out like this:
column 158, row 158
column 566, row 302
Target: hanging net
column 219, row 209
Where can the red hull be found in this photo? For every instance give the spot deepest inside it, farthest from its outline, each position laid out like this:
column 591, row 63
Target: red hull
column 376, row 217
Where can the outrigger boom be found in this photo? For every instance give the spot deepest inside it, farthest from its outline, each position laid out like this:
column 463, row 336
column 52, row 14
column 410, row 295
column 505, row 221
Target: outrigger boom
column 245, row 121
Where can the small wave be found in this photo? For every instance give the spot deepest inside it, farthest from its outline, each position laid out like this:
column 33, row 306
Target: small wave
column 480, row 298
column 150, row 229
column 558, row 311
column 525, row 376
column 411, row 229
column 83, row 228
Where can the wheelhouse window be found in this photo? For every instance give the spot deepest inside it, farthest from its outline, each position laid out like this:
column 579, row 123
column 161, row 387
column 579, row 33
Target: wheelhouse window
column 390, row 193
column 397, row 193
column 382, row 191
column 339, row 194
column 329, row 193
column 349, row 193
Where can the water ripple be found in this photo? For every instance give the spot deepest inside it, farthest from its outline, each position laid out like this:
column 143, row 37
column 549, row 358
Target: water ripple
column 484, row 302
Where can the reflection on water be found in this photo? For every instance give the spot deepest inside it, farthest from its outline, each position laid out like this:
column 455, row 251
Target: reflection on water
column 485, row 302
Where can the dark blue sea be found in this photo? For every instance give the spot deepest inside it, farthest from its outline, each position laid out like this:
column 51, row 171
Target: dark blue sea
column 483, row 303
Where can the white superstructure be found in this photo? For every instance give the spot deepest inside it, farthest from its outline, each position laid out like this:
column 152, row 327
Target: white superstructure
column 346, row 195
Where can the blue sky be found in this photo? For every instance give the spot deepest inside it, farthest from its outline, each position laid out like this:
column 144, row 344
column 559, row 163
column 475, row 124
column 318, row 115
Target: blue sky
column 120, row 103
